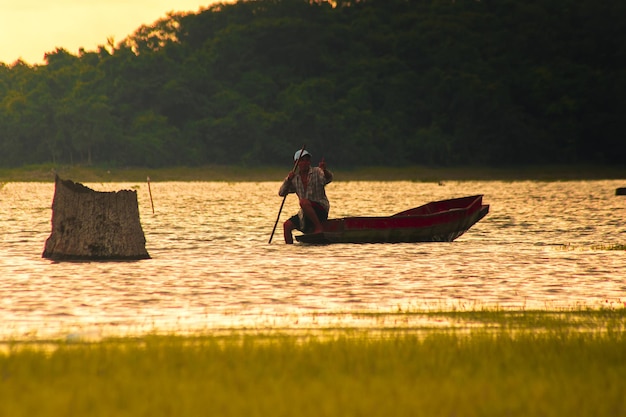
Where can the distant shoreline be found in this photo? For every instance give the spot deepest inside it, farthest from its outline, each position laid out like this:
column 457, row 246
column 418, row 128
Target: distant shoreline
column 45, row 173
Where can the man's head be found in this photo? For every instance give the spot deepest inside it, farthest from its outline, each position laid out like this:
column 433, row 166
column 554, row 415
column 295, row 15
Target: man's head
column 305, row 154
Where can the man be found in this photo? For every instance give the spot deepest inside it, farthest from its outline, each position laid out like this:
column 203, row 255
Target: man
column 308, row 184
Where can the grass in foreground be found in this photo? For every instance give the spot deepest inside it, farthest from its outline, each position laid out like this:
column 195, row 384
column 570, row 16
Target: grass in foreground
column 540, row 366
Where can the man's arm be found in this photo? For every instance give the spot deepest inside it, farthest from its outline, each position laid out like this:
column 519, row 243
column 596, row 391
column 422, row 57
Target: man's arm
column 287, row 186
column 328, row 176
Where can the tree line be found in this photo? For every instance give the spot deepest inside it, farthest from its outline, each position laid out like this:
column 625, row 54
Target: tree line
column 362, row 82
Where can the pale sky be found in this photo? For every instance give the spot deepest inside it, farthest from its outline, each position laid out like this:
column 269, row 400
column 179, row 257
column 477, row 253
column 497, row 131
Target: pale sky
column 30, row 28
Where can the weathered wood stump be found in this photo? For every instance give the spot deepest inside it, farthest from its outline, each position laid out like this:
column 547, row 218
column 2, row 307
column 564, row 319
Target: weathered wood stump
column 93, row 225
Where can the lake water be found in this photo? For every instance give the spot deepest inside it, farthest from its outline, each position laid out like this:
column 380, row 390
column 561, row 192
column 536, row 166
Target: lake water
column 542, row 246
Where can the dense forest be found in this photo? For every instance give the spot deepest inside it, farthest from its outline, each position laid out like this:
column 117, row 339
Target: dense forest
column 361, row 82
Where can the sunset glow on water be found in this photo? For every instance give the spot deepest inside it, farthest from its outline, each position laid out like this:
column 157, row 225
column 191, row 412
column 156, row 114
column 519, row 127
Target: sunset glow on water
column 542, row 246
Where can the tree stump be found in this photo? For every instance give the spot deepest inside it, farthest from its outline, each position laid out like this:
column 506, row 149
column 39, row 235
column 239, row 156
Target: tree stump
column 93, row 225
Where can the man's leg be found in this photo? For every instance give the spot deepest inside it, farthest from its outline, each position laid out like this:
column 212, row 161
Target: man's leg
column 288, row 227
column 310, row 214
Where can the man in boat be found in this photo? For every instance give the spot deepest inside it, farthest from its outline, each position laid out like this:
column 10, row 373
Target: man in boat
column 309, row 185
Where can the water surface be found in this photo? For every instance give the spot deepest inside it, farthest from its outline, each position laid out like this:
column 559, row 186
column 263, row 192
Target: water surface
column 542, row 246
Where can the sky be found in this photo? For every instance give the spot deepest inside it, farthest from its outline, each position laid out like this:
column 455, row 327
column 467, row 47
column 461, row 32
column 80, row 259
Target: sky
column 31, row 28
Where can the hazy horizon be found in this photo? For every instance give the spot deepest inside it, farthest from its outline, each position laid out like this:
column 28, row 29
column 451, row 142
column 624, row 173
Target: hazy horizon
column 32, row 28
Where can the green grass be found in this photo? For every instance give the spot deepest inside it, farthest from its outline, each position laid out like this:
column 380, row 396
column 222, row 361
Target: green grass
column 239, row 173
column 563, row 363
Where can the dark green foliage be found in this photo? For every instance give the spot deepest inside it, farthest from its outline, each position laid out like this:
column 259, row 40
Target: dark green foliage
column 369, row 82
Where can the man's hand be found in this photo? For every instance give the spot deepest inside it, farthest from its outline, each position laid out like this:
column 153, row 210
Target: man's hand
column 322, row 165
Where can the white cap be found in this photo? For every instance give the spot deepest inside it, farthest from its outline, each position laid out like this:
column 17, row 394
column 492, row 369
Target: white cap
column 297, row 154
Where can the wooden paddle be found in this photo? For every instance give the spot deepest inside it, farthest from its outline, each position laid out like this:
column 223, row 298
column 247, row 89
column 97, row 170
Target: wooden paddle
column 295, row 166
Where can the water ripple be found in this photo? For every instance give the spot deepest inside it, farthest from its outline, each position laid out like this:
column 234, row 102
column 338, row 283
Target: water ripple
column 211, row 266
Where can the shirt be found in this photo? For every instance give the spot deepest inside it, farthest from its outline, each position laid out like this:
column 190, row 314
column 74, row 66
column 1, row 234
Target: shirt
column 315, row 189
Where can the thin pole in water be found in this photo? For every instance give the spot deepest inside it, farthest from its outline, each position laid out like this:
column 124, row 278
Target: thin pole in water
column 150, row 192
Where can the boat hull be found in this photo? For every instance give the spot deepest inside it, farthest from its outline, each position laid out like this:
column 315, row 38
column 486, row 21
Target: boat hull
column 440, row 221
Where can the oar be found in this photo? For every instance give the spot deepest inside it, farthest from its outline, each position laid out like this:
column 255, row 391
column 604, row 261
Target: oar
column 295, row 166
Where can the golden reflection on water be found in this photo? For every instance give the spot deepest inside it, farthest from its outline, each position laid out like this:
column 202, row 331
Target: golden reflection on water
column 212, row 268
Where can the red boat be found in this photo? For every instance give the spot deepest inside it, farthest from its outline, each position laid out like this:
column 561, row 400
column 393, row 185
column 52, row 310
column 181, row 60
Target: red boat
column 437, row 221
